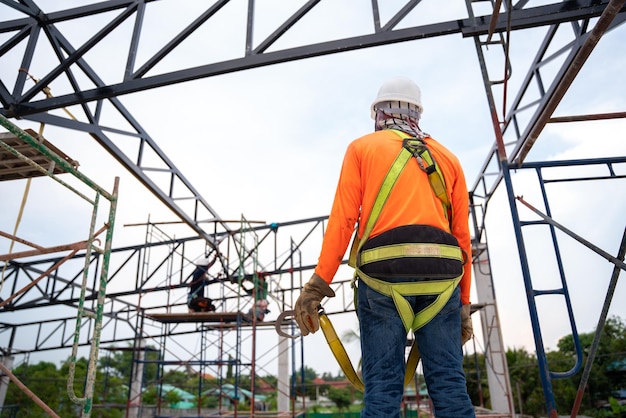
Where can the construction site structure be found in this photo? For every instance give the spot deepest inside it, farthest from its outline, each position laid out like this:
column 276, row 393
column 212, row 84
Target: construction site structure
column 139, row 298
column 27, row 155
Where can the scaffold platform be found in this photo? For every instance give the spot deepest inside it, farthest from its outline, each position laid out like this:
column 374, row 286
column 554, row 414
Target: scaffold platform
column 218, row 317
column 12, row 167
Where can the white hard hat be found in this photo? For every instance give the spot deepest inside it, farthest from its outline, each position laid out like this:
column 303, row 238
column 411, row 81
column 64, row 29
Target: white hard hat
column 400, row 89
column 203, row 262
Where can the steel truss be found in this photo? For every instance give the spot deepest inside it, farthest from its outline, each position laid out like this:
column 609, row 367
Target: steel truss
column 76, row 84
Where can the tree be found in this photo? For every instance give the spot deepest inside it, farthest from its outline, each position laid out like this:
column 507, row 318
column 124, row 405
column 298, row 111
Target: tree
column 341, row 397
column 524, row 378
column 176, row 378
column 149, row 396
column 328, row 377
column 229, row 369
column 269, row 379
column 309, row 376
column 476, row 377
column 45, row 381
column 564, row 389
column 106, row 390
column 50, row 386
column 606, row 375
column 171, row 398
column 525, row 381
column 119, row 363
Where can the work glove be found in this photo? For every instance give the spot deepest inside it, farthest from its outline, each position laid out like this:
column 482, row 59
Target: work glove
column 467, row 330
column 308, row 303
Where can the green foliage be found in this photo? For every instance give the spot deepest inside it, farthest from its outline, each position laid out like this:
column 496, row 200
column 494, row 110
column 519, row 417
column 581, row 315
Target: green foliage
column 150, row 396
column 341, row 397
column 309, row 376
column 271, row 380
column 44, row 380
column 229, row 369
column 119, row 363
column 476, row 377
column 171, row 398
column 614, row 410
column 604, row 379
column 564, row 389
column 209, row 402
column 328, row 377
column 49, row 384
column 177, row 378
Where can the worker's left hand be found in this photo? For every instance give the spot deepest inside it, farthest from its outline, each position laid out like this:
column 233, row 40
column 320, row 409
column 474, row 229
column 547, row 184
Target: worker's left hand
column 307, row 305
column 467, row 330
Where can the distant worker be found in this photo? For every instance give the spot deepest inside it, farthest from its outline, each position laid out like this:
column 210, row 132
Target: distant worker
column 410, row 256
column 259, row 309
column 196, row 301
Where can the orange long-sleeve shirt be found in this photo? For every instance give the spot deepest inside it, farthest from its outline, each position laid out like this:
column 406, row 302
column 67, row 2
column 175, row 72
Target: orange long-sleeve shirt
column 412, row 201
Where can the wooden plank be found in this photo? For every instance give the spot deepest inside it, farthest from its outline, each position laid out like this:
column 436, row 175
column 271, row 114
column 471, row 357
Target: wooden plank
column 13, row 168
column 218, row 317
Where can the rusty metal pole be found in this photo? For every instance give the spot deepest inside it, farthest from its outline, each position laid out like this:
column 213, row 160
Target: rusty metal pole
column 612, row 9
column 28, row 392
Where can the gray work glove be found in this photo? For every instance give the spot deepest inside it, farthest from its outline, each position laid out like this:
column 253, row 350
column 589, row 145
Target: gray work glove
column 467, row 330
column 307, row 305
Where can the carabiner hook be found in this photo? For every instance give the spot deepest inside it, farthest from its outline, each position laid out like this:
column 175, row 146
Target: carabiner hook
column 285, row 317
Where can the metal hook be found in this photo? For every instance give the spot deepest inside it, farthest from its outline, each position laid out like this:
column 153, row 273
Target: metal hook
column 282, row 318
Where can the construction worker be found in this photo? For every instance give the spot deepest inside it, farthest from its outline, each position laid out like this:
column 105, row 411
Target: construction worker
column 196, row 301
column 411, row 254
column 259, row 309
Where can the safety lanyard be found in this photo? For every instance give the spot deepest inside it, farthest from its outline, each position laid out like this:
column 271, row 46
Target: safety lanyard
column 342, row 358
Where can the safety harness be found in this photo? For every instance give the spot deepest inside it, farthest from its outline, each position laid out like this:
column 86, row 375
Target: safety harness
column 440, row 288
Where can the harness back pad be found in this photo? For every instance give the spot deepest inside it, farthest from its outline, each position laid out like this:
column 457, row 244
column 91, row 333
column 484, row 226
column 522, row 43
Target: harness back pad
column 422, row 267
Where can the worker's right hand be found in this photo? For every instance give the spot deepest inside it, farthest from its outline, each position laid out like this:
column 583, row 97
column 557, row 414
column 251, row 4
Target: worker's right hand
column 307, row 305
column 467, row 330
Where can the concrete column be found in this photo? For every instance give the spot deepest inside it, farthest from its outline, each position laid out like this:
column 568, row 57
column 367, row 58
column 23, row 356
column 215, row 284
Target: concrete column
column 283, row 374
column 137, row 378
column 4, row 381
column 495, row 354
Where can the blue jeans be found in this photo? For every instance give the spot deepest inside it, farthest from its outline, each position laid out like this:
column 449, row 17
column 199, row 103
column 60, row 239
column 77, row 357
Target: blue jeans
column 383, row 342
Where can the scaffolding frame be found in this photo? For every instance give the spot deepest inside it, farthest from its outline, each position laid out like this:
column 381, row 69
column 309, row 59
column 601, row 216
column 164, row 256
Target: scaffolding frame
column 214, row 328
column 508, row 158
column 86, row 319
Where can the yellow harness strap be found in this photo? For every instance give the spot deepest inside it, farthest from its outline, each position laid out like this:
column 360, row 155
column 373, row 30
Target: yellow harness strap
column 397, row 291
column 421, row 152
column 385, row 189
column 442, row 288
column 342, row 358
column 412, row 147
column 408, row 250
